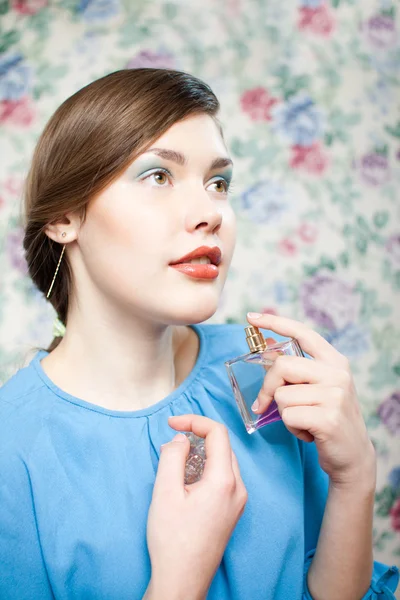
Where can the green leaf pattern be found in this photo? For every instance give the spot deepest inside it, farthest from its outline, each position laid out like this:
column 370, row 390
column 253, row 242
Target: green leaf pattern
column 310, row 93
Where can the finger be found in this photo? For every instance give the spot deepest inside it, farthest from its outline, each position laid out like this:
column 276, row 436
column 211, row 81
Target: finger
column 304, row 418
column 240, row 486
column 307, row 395
column 217, row 444
column 295, row 370
column 236, row 470
column 305, row 436
column 200, row 425
column 310, row 341
column 171, row 467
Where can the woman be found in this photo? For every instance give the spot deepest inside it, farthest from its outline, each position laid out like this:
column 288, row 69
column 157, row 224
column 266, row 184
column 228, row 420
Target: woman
column 130, row 234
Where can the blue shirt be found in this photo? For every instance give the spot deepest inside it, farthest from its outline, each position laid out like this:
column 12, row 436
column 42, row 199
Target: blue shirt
column 76, row 482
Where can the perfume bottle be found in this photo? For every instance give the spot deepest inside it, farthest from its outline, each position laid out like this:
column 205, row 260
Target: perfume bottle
column 247, row 374
column 196, row 459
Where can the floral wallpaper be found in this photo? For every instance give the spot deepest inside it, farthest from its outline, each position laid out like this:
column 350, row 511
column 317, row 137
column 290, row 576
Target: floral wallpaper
column 310, row 95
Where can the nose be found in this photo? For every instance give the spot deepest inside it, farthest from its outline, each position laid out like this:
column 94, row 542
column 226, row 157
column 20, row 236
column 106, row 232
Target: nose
column 204, row 215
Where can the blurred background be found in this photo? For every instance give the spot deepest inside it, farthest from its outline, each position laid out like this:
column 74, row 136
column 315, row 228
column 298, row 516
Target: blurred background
column 310, row 93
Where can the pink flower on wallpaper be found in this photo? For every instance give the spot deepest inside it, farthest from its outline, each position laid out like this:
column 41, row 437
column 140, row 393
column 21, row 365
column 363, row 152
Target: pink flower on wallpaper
column 308, row 233
column 318, row 20
column 287, row 247
column 392, row 247
column 28, row 7
column 257, row 103
column 13, row 185
column 233, row 7
column 154, row 60
column 17, row 112
column 311, row 159
column 395, row 515
column 381, row 31
column 269, row 310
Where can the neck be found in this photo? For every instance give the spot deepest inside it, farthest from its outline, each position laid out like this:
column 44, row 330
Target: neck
column 120, row 361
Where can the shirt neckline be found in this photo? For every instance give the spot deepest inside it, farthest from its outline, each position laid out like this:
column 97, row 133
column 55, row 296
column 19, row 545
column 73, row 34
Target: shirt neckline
column 144, row 412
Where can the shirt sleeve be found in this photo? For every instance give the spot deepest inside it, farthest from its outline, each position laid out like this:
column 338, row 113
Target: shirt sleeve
column 384, row 579
column 23, row 573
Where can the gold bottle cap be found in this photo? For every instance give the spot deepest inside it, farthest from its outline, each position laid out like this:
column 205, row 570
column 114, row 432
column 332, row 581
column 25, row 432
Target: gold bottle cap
column 255, row 339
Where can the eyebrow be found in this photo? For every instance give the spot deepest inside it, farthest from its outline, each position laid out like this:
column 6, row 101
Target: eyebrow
column 180, row 159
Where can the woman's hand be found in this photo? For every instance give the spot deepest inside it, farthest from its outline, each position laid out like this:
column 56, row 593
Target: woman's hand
column 189, row 526
column 321, row 404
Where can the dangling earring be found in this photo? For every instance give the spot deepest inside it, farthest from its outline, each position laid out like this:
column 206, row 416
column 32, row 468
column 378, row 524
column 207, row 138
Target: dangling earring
column 58, row 266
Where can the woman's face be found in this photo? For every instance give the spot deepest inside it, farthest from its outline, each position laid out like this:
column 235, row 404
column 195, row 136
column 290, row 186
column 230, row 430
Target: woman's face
column 171, row 201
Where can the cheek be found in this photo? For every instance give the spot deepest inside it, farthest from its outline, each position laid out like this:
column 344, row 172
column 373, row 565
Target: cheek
column 118, row 222
column 120, row 248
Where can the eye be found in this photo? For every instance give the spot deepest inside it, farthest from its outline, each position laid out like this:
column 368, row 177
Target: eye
column 159, row 178
column 221, row 186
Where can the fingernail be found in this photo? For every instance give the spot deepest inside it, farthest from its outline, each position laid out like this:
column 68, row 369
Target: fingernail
column 255, row 406
column 252, row 315
column 180, row 437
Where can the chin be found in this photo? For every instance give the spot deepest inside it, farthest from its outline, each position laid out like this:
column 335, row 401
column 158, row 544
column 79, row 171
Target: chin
column 193, row 309
column 192, row 317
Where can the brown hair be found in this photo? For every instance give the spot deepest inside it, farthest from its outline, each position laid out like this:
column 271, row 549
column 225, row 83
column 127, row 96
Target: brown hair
column 88, row 142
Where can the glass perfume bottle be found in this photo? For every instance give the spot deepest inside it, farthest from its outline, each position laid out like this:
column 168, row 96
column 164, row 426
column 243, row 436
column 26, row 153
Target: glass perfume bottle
column 247, row 374
column 196, row 459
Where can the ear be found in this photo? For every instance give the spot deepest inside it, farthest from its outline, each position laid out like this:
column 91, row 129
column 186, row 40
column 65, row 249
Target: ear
column 65, row 230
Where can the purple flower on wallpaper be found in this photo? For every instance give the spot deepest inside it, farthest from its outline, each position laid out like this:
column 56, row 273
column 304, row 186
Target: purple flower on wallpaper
column 15, row 250
column 265, row 202
column 150, row 59
column 374, row 168
column 393, row 249
column 381, row 31
column 330, row 302
column 299, row 120
column 98, row 10
column 15, row 77
column 352, row 341
column 394, row 478
column 389, row 412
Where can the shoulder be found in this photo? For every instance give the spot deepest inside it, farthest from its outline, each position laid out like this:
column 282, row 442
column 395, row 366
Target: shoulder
column 223, row 341
column 20, row 389
column 22, row 401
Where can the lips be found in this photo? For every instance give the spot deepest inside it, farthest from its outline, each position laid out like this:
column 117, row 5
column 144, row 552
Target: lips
column 214, row 254
column 200, row 271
